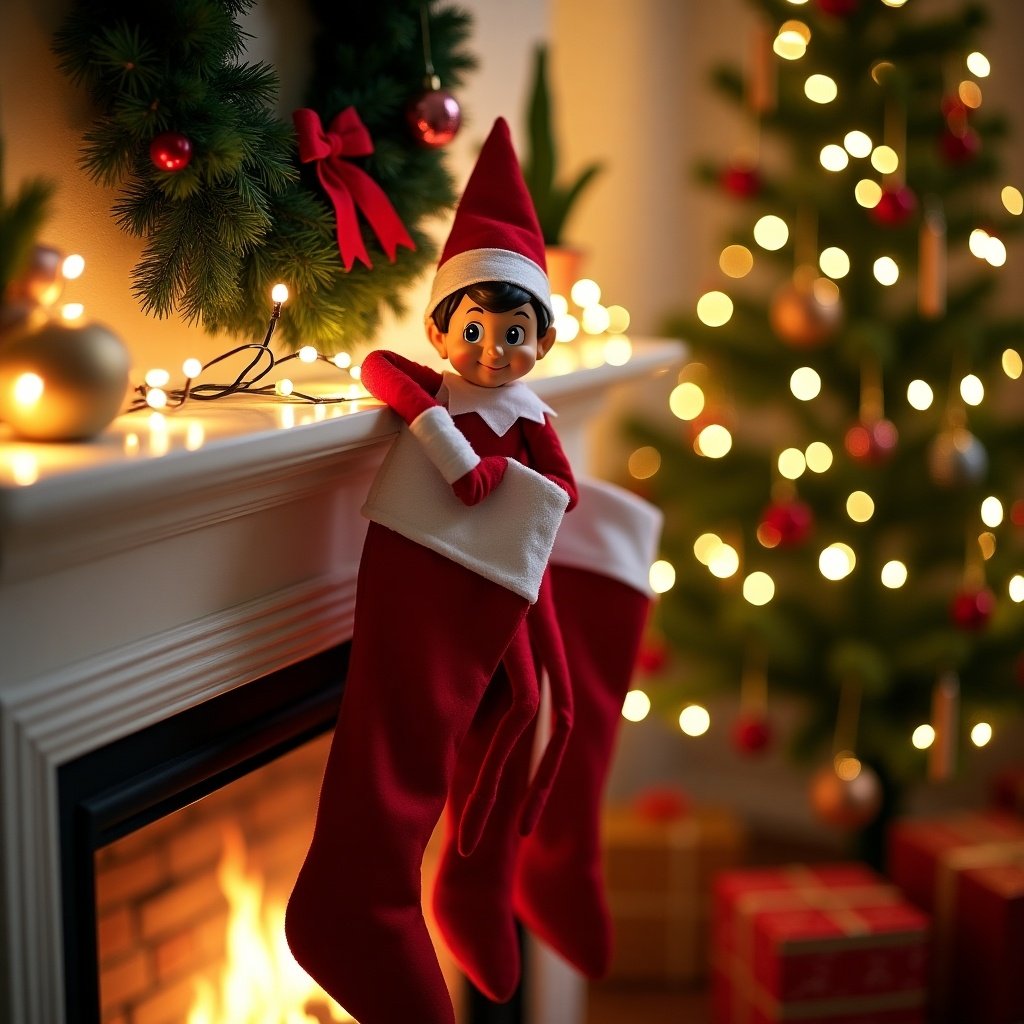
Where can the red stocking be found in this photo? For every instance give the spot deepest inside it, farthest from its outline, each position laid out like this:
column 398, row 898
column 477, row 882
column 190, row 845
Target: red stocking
column 473, row 894
column 428, row 638
column 599, row 576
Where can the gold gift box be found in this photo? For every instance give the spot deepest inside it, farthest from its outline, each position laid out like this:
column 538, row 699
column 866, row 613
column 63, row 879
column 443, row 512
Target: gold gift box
column 658, row 880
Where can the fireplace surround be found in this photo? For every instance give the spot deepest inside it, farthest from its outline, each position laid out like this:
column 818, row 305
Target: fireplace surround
column 178, row 566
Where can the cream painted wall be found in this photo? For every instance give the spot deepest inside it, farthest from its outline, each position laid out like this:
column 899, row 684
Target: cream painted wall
column 42, row 117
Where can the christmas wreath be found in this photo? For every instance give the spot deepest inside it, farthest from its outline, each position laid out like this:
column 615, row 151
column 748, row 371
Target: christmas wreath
column 212, row 179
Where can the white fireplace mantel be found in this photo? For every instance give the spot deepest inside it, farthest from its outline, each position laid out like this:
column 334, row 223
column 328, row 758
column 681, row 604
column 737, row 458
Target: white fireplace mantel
column 173, row 559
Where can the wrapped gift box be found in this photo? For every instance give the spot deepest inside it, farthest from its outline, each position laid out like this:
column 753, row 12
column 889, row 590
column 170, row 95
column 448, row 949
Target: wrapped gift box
column 831, row 944
column 968, row 871
column 658, row 877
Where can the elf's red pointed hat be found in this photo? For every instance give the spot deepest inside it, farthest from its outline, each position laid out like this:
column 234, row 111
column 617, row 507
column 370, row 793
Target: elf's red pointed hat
column 495, row 235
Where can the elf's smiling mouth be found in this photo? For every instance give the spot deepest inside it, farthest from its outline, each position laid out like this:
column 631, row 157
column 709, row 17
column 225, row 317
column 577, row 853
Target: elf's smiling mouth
column 493, row 369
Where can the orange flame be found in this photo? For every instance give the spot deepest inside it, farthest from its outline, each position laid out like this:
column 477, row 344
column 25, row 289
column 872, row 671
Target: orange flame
column 261, row 983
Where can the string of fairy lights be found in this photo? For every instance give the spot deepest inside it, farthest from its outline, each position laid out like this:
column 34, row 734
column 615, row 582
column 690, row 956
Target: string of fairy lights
column 689, row 401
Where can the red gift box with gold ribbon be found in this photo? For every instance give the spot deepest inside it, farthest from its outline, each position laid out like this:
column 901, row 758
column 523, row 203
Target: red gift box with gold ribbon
column 968, row 871
column 829, row 944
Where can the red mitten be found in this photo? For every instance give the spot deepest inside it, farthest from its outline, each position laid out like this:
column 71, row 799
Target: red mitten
column 475, row 485
column 406, row 386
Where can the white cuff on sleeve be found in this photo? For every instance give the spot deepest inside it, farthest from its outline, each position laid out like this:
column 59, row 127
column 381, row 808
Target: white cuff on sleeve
column 444, row 444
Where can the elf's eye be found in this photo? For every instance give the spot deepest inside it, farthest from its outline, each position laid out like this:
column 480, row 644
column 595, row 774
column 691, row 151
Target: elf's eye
column 515, row 335
column 473, row 332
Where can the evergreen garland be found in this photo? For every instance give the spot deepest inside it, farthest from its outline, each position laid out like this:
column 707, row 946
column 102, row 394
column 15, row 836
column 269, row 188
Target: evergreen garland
column 242, row 215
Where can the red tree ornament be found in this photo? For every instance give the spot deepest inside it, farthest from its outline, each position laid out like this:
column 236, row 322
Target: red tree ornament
column 785, row 524
column 839, row 8
column 434, row 117
column 1017, row 512
column 895, row 207
column 751, row 734
column 959, row 146
column 971, row 608
column 171, row 151
column 871, row 442
column 740, row 180
column 652, row 656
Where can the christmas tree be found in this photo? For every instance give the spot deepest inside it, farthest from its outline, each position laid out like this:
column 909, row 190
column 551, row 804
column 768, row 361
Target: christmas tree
column 841, row 477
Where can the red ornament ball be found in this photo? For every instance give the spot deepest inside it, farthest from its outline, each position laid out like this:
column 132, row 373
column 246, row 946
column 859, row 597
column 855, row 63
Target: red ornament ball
column 662, row 803
column 434, row 118
column 751, row 734
column 740, row 180
column 839, row 8
column 785, row 524
column 171, row 151
column 971, row 609
column 958, row 147
column 871, row 442
column 1017, row 512
column 652, row 656
column 895, row 207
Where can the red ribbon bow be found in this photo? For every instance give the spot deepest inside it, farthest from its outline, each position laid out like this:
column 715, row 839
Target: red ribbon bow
column 349, row 186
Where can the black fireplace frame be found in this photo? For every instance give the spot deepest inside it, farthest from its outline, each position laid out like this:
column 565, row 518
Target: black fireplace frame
column 128, row 784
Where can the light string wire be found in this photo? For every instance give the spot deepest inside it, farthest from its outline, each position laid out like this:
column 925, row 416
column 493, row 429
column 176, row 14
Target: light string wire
column 243, row 384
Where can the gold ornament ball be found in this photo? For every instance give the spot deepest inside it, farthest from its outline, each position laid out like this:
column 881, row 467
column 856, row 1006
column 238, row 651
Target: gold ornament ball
column 799, row 316
column 848, row 804
column 60, row 383
column 39, row 281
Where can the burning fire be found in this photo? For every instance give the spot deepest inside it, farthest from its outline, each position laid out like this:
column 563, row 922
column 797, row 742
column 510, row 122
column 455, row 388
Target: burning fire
column 261, row 983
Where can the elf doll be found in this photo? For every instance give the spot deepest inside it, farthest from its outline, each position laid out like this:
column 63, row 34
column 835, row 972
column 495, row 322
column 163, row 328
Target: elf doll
column 453, row 605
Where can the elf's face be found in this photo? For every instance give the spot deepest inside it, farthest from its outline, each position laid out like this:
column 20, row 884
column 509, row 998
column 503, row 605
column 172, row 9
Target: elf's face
column 491, row 349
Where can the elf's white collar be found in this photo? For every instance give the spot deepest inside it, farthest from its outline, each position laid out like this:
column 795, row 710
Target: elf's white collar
column 498, row 407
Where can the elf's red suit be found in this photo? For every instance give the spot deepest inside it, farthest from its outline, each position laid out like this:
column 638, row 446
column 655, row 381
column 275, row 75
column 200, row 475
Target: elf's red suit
column 453, row 583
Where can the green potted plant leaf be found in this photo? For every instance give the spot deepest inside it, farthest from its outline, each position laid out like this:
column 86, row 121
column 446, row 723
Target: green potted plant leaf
column 553, row 201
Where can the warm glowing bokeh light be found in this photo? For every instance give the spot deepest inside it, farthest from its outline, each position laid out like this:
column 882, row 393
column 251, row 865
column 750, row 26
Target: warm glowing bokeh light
column 636, row 706
column 279, row 293
column 1013, row 200
column 885, row 159
column 72, row 267
column 1016, row 589
column 736, row 261
column 972, row 391
column 686, row 401
column 714, row 441
column 894, row 574
column 694, row 720
column 644, row 462
column 886, row 270
column 771, row 232
column 923, row 737
column 805, row 383
column 867, row 193
column 724, row 561
column 585, row 292
column 792, row 463
column 759, row 588
column 978, row 65
column 860, row 506
column 833, row 157
column 618, row 319
column 28, row 388
column 662, row 576
column 834, row 262
column 981, row 734
column 992, row 511
column 705, row 546
column 837, row 561
column 818, row 457
column 1013, row 365
column 790, row 44
column 920, row 395
column 858, row 143
column 820, row 89
column 714, row 309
